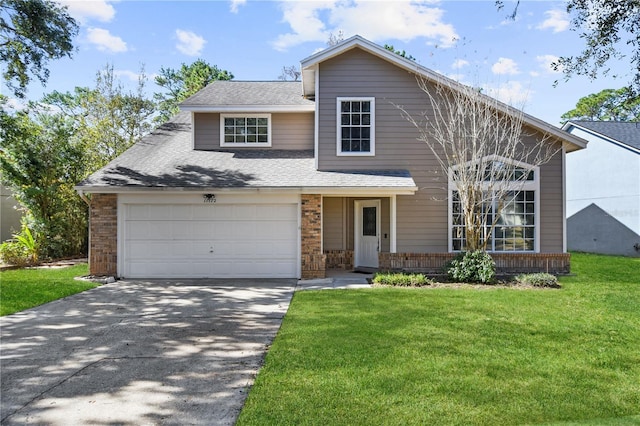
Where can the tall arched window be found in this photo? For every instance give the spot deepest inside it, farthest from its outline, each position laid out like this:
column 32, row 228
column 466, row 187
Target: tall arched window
column 508, row 204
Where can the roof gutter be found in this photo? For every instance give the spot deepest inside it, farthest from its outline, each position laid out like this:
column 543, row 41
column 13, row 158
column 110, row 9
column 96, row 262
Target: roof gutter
column 324, row 190
column 248, row 108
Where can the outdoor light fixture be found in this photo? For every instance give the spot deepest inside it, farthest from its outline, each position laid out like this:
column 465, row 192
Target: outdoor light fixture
column 209, row 198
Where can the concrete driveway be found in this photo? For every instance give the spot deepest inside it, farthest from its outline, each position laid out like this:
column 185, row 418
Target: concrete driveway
column 140, row 352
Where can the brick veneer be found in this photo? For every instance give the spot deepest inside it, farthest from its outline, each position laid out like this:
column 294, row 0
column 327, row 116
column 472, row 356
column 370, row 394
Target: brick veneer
column 506, row 263
column 339, row 259
column 103, row 228
column 313, row 260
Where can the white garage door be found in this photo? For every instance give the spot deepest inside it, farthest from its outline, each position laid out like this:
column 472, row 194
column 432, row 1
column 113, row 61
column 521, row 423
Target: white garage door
column 210, row 241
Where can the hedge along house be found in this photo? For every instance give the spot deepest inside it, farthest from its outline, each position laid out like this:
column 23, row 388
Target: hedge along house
column 289, row 179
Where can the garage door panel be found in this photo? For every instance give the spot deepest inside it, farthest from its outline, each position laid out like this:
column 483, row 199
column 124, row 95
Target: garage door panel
column 211, row 240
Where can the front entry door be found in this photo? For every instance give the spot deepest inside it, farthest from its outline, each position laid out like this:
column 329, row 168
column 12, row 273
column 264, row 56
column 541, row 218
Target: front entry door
column 367, row 233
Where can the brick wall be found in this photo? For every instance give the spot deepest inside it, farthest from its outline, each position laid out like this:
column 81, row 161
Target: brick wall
column 103, row 228
column 339, row 259
column 506, row 263
column 313, row 260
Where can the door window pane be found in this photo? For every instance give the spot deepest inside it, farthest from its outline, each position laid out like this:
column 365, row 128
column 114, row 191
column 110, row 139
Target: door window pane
column 369, row 222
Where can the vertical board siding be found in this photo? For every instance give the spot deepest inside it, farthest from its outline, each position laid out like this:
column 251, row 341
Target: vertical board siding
column 289, row 131
column 422, row 219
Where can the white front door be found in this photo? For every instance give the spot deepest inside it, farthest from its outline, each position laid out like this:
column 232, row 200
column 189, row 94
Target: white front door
column 367, row 233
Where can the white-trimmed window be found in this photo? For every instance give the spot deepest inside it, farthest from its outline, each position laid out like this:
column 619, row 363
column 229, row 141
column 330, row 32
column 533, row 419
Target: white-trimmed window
column 356, row 126
column 517, row 227
column 245, row 130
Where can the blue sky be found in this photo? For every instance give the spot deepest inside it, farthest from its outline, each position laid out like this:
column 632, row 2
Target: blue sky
column 470, row 41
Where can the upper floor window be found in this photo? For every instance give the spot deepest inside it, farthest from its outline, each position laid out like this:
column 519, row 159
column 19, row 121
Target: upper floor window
column 245, row 130
column 356, row 126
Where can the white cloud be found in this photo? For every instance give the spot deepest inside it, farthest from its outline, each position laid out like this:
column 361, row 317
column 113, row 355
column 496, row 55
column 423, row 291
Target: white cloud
column 459, row 63
column 557, row 20
column 105, row 41
column 545, row 61
column 376, row 20
column 189, row 43
column 235, row 5
column 130, row 75
column 84, row 10
column 512, row 93
column 505, row 66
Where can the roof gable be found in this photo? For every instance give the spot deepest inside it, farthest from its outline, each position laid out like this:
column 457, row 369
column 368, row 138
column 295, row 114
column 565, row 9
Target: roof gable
column 311, row 64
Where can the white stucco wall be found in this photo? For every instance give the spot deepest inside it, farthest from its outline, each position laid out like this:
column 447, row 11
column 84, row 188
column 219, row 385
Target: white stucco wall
column 607, row 175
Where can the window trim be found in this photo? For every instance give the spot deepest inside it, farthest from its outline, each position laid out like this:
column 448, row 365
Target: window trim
column 372, row 126
column 528, row 185
column 224, row 144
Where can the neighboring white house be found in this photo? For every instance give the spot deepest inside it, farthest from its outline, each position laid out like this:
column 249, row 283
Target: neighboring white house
column 603, row 188
column 9, row 214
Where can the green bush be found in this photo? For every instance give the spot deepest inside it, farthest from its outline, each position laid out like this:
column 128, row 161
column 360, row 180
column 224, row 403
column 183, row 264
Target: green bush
column 22, row 250
column 538, row 280
column 14, row 253
column 472, row 267
column 399, row 279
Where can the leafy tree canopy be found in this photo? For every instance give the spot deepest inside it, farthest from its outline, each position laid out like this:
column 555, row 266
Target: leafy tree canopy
column 41, row 162
column 607, row 105
column 31, row 33
column 610, row 33
column 107, row 119
column 179, row 84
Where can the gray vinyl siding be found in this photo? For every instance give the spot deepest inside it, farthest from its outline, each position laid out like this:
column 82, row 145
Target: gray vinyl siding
column 289, row 131
column 333, row 223
column 338, row 220
column 552, row 219
column 422, row 219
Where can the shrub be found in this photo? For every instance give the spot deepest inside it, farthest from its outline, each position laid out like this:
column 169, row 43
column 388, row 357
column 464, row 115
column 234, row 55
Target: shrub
column 472, row 267
column 22, row 250
column 538, row 280
column 14, row 253
column 400, row 279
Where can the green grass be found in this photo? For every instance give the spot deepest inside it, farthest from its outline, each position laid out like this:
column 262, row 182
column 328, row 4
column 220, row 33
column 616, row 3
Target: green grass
column 22, row 289
column 403, row 356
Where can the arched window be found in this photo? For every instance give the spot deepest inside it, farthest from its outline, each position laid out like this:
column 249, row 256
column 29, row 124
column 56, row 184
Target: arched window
column 506, row 197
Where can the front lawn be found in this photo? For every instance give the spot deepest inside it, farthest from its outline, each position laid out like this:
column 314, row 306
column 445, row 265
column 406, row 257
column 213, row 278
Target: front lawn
column 406, row 356
column 21, row 289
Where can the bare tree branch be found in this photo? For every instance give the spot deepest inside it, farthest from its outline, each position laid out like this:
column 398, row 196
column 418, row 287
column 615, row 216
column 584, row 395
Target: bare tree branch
column 481, row 145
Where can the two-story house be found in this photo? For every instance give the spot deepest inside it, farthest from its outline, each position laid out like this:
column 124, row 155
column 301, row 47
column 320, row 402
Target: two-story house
column 289, row 179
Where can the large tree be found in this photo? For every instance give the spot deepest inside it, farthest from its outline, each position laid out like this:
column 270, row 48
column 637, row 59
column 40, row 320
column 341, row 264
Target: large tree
column 31, row 33
column 41, row 162
column 179, row 84
column 107, row 118
column 610, row 30
column 606, row 105
column 487, row 156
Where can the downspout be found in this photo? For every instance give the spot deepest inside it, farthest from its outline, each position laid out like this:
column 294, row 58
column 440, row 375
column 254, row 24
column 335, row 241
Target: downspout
column 84, row 197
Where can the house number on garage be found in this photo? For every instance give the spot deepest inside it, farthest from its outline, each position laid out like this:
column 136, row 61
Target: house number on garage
column 209, row 198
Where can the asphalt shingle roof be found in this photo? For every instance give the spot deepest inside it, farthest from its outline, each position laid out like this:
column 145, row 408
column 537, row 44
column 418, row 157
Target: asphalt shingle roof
column 624, row 132
column 165, row 159
column 249, row 93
